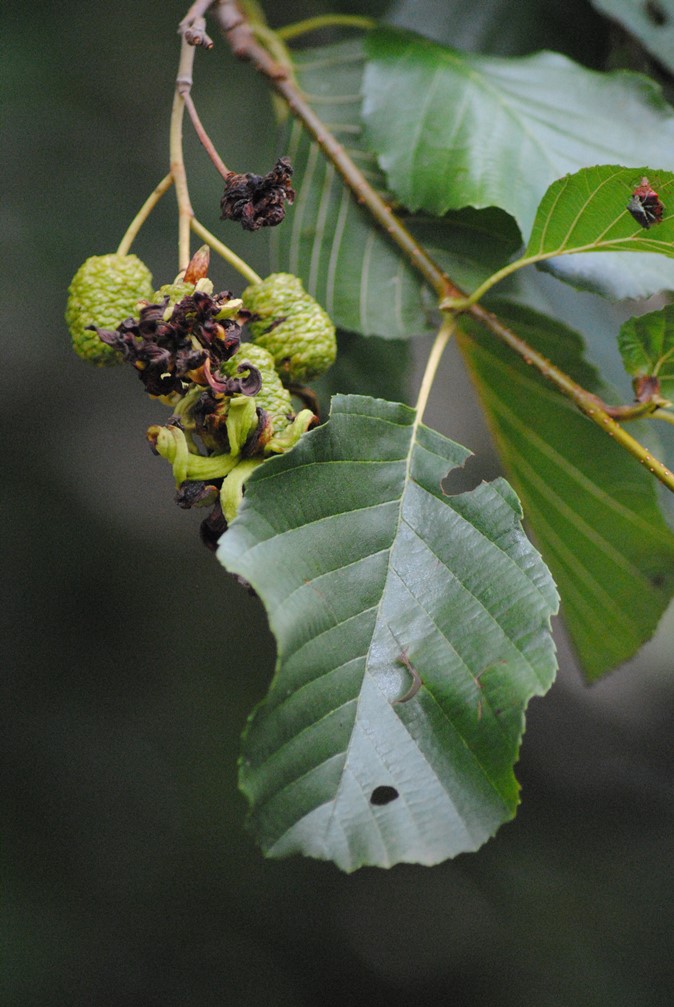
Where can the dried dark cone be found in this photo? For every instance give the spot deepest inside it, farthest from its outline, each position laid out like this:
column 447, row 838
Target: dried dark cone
column 258, row 200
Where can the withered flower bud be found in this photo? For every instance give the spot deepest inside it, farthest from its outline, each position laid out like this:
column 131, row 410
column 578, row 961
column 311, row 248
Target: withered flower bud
column 258, row 200
column 213, row 527
column 171, row 352
column 196, row 494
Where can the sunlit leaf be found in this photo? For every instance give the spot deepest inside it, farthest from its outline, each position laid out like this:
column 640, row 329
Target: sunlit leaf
column 592, row 508
column 347, row 262
column 587, row 212
column 487, row 131
column 647, row 347
column 367, row 570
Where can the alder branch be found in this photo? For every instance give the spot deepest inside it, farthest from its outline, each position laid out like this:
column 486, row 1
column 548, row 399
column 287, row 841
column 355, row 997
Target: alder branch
column 243, row 43
column 193, row 25
column 185, row 211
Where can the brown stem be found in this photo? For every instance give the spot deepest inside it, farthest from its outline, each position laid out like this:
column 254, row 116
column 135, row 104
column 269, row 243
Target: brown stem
column 589, row 404
column 245, row 46
column 206, row 142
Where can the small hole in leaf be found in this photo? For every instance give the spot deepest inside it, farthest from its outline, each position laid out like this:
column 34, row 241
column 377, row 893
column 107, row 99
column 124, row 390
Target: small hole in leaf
column 475, row 470
column 655, row 14
column 383, row 795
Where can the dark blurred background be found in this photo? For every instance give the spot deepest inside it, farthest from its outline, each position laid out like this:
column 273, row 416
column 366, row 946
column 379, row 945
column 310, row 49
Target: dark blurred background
column 132, row 659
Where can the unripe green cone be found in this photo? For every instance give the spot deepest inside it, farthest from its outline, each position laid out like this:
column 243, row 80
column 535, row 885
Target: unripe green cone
column 104, row 291
column 292, row 326
column 272, row 397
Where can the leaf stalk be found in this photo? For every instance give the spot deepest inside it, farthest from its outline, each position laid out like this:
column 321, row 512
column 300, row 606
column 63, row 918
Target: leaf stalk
column 290, row 31
column 445, row 333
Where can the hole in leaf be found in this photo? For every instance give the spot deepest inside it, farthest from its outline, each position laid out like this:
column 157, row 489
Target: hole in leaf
column 655, row 14
column 383, row 795
column 475, row 470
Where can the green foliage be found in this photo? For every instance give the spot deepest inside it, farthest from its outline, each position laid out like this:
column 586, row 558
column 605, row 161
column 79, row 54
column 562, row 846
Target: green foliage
column 506, row 28
column 593, row 511
column 363, row 565
column 469, row 132
column 348, row 263
column 413, row 627
column 646, row 345
column 587, row 212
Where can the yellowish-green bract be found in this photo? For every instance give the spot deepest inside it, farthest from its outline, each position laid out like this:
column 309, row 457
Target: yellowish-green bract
column 272, row 397
column 104, row 291
column 292, row 326
column 174, row 291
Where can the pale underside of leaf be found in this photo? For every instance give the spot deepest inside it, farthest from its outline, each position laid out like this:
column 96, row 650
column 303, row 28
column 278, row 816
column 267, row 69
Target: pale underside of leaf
column 365, row 568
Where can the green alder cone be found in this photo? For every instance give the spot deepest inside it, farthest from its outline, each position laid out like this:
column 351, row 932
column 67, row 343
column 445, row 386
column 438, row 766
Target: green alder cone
column 104, row 291
column 272, row 397
column 292, row 326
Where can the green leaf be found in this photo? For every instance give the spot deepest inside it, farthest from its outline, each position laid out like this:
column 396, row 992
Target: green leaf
column 652, row 23
column 647, row 347
column 360, row 558
column 592, row 508
column 349, row 265
column 507, row 28
column 587, row 212
column 486, row 131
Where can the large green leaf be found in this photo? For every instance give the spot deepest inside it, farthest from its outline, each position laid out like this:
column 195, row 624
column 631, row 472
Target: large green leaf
column 345, row 260
column 453, row 129
column 363, row 564
column 651, row 22
column 507, row 28
column 592, row 508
